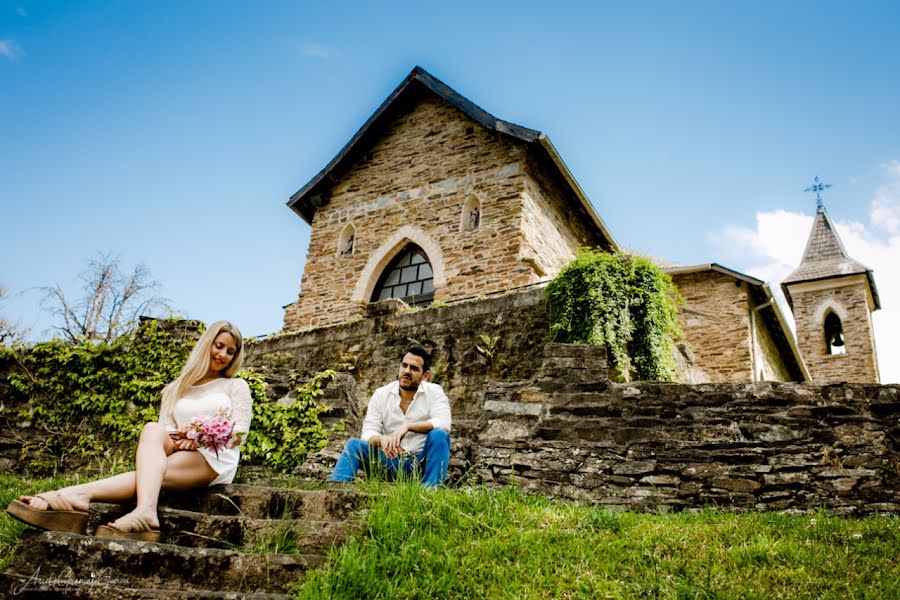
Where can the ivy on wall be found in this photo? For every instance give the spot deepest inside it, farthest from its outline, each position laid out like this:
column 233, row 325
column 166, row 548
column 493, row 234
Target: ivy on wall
column 89, row 401
column 283, row 434
column 624, row 302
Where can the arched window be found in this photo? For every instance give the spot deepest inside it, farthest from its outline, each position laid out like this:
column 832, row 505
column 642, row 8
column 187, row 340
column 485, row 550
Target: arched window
column 407, row 277
column 834, row 335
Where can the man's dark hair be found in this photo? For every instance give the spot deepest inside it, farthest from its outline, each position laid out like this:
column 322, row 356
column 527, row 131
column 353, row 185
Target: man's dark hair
column 421, row 352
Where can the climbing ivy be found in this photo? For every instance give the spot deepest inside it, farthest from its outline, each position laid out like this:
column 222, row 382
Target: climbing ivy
column 283, row 434
column 624, row 302
column 89, row 401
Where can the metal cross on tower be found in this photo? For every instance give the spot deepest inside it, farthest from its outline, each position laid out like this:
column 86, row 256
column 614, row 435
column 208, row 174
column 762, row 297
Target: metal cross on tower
column 818, row 187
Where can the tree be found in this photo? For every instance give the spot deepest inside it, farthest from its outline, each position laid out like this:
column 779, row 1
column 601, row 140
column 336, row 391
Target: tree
column 111, row 301
column 9, row 331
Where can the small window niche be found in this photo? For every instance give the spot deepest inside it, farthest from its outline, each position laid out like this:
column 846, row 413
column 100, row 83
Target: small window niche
column 347, row 241
column 470, row 220
column 834, row 335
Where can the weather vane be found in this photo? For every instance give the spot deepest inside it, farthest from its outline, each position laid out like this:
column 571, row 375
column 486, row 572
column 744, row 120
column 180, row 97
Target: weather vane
column 818, row 187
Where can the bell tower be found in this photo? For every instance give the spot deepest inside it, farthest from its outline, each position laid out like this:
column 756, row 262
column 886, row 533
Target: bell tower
column 832, row 297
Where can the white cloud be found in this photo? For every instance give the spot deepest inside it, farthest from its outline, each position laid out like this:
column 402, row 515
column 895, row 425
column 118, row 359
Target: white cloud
column 10, row 49
column 316, row 50
column 775, row 246
column 886, row 204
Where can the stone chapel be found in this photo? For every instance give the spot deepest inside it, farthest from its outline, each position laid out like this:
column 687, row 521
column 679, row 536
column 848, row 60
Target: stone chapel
column 436, row 200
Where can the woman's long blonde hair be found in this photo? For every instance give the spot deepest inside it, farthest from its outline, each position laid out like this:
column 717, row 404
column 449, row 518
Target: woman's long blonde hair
column 198, row 364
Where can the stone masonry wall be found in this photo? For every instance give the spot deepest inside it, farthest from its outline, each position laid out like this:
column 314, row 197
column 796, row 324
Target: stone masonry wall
column 553, row 229
column 510, row 329
column 420, row 174
column 545, row 416
column 656, row 446
column 859, row 362
column 716, row 322
column 769, row 361
column 651, row 446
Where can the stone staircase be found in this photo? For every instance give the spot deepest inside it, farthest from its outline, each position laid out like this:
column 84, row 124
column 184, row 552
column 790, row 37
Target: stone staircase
column 232, row 541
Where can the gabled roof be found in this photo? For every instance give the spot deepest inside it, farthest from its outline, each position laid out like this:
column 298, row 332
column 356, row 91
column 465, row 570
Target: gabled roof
column 826, row 258
column 769, row 310
column 681, row 270
column 314, row 194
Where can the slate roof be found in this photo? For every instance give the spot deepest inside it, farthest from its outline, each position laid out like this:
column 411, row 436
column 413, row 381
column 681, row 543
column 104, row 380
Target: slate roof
column 826, row 258
column 314, row 194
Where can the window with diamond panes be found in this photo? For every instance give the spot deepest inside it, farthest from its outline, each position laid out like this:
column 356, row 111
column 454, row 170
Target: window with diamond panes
column 407, row 277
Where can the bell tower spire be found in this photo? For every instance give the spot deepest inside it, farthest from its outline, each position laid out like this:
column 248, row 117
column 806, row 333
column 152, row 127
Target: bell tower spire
column 833, row 297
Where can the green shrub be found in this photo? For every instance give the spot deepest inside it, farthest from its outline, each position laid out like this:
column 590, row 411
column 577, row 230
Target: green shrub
column 91, row 400
column 622, row 301
column 283, row 435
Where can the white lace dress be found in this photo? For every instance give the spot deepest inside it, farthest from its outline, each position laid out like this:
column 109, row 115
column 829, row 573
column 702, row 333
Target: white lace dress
column 229, row 394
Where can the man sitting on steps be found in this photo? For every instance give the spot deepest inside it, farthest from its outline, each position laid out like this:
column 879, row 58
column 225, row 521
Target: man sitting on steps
column 407, row 426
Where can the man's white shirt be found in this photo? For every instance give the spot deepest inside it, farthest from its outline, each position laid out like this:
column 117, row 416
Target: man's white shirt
column 384, row 416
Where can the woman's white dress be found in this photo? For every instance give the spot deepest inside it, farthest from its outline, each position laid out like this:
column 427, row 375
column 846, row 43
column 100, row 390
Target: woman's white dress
column 231, row 395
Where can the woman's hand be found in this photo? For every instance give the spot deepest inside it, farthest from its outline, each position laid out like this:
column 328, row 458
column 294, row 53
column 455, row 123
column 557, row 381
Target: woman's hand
column 185, row 444
column 181, row 442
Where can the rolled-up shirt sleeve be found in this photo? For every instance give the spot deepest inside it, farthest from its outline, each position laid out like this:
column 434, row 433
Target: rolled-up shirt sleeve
column 440, row 410
column 374, row 422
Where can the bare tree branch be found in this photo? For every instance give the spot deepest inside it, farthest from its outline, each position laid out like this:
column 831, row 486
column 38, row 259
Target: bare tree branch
column 110, row 303
column 9, row 332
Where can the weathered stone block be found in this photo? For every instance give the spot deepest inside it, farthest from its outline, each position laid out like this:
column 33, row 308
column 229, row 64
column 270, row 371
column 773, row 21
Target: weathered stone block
column 786, row 479
column 660, row 480
column 634, row 467
column 513, row 408
column 736, row 484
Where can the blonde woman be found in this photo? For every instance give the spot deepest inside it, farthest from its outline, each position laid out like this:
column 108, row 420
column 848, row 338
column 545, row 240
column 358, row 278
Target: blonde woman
column 165, row 458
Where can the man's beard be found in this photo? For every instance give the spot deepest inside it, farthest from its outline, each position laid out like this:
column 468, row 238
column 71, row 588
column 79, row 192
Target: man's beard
column 409, row 387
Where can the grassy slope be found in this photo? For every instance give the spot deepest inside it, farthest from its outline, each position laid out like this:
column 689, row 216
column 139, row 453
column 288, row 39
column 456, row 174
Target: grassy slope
column 480, row 543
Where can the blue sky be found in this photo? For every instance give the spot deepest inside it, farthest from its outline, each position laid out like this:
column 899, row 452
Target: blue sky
column 172, row 133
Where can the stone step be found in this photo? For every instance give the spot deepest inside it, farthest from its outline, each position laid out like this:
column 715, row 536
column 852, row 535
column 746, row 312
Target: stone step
column 261, row 502
column 146, row 565
column 61, row 586
column 199, row 530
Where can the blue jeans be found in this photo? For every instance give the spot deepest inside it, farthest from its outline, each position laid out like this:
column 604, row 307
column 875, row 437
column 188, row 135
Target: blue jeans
column 432, row 460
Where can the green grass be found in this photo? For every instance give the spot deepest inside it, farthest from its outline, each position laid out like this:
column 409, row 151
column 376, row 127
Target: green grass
column 13, row 486
column 482, row 543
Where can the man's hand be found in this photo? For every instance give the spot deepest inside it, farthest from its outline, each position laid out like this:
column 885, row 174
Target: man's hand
column 390, row 443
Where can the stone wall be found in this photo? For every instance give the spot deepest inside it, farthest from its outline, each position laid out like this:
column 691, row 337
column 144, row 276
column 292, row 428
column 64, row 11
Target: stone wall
column 545, row 416
column 471, row 341
column 651, row 446
column 553, row 228
column 716, row 322
column 421, row 172
column 850, row 302
column 768, row 362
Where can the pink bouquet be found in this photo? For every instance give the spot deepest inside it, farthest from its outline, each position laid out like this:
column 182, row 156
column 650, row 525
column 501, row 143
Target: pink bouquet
column 215, row 432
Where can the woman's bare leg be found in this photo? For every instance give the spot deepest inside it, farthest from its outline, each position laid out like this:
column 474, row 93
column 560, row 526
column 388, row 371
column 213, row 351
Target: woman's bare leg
column 184, row 470
column 158, row 467
column 153, row 449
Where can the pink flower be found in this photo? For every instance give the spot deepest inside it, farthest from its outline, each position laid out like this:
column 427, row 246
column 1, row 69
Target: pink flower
column 214, row 432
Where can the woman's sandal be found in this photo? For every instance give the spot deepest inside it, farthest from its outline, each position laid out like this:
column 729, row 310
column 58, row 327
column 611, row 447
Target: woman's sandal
column 129, row 527
column 59, row 516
